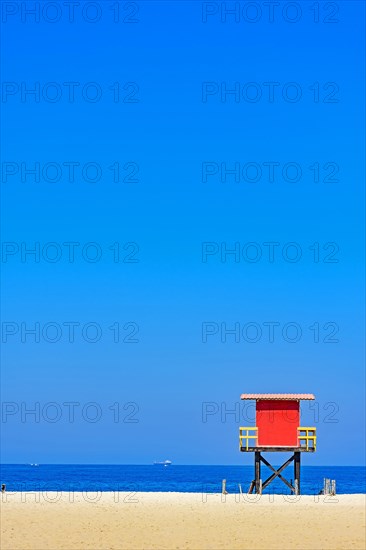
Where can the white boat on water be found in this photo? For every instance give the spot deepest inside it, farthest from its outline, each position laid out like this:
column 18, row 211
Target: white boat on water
column 164, row 463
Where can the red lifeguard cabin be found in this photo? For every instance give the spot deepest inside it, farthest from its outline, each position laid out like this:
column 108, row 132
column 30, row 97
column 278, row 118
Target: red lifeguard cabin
column 277, row 429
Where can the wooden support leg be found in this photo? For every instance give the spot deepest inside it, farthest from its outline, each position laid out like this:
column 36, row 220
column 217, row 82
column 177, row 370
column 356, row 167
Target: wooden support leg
column 297, row 472
column 257, row 471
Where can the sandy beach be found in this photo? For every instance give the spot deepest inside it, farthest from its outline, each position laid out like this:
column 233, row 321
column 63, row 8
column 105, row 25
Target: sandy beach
column 45, row 521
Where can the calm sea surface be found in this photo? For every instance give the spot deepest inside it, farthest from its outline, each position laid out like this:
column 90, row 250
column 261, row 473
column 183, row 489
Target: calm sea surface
column 192, row 479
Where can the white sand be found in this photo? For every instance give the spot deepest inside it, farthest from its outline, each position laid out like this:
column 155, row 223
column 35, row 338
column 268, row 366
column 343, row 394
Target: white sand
column 105, row 521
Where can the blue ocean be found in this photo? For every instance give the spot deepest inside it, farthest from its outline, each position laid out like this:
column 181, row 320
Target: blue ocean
column 186, row 479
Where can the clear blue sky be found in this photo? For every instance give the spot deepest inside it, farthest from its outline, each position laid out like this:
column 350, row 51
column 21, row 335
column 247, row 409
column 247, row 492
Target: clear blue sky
column 177, row 124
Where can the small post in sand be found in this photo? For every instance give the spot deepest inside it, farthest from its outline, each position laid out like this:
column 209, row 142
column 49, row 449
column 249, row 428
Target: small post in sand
column 224, row 491
column 333, row 487
column 329, row 487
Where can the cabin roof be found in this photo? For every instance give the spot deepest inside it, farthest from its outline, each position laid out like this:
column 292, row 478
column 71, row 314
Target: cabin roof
column 278, row 396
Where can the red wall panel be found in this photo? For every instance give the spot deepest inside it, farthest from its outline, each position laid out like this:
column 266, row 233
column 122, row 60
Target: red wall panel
column 277, row 422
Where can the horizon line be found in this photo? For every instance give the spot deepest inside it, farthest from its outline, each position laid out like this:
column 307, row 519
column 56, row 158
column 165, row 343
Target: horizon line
column 152, row 464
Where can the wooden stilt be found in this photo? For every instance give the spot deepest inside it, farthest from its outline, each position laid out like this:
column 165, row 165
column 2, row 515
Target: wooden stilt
column 297, row 472
column 257, row 470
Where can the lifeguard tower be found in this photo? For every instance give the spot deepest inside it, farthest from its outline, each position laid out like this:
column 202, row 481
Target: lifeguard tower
column 277, row 429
